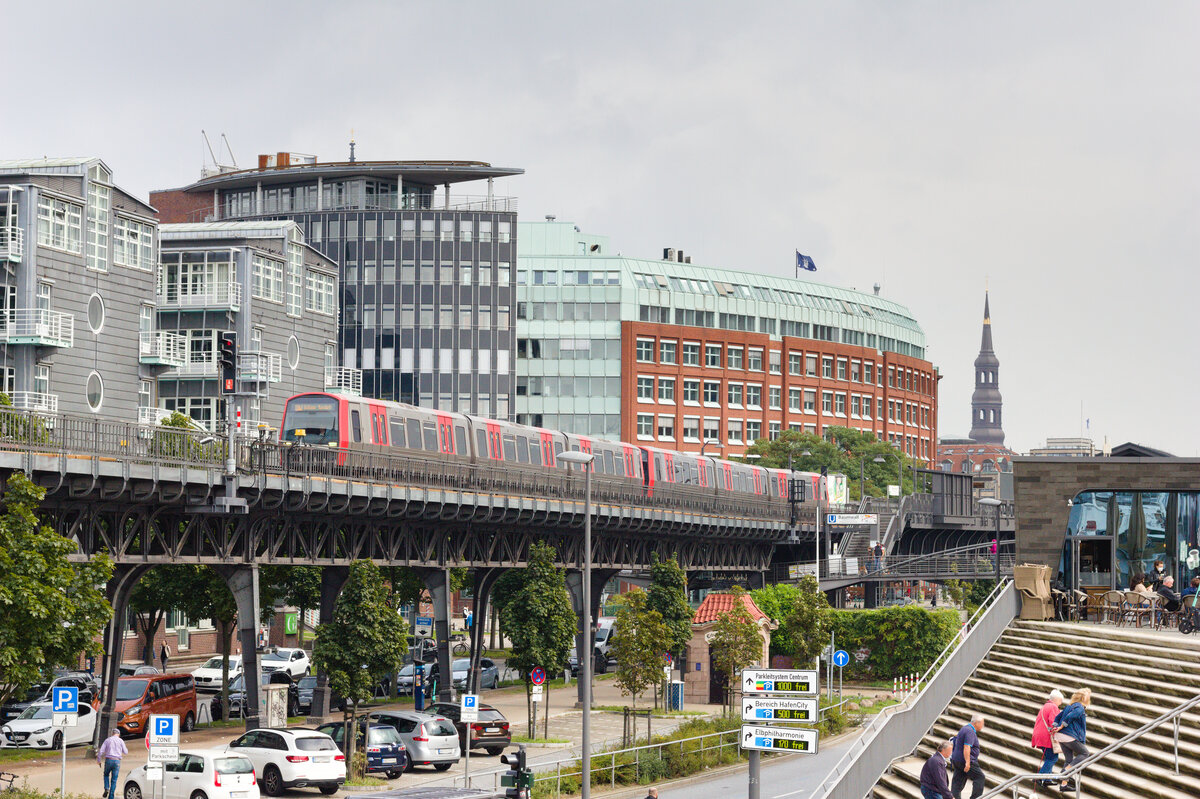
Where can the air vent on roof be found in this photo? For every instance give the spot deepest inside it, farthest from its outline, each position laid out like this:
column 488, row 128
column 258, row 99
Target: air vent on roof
column 687, row 260
column 668, row 253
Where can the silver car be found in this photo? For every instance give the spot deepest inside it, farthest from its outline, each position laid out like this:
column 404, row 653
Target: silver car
column 489, row 673
column 431, row 740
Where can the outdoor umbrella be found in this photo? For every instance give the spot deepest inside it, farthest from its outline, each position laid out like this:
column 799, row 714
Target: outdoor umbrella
column 1137, row 533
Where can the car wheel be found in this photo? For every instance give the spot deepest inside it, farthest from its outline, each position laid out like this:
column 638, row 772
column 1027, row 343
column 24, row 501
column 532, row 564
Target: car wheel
column 294, row 708
column 272, row 781
column 199, row 795
column 442, row 766
column 56, row 742
column 391, row 775
column 329, row 790
column 495, row 751
column 189, row 722
column 133, row 791
column 307, row 670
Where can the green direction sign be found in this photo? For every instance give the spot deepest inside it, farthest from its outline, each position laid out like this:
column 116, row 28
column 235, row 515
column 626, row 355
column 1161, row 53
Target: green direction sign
column 775, row 739
column 764, row 710
column 291, row 622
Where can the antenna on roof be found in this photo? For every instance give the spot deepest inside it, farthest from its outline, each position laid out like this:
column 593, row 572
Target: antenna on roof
column 217, row 167
column 352, row 145
column 208, row 144
column 229, row 150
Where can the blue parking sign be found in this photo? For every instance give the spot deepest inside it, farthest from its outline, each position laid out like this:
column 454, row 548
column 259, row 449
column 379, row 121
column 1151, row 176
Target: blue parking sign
column 164, row 730
column 66, row 700
column 470, row 702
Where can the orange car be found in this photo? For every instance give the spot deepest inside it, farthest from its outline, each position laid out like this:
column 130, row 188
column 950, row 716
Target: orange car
column 155, row 694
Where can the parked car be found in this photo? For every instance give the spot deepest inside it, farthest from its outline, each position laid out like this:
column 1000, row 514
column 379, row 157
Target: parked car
column 490, row 732
column 208, row 676
column 140, row 697
column 33, row 730
column 89, row 693
column 134, row 669
column 237, row 695
column 431, row 740
column 293, row 661
column 386, row 752
column 304, row 693
column 405, row 678
column 489, row 673
column 292, row 758
column 209, row 773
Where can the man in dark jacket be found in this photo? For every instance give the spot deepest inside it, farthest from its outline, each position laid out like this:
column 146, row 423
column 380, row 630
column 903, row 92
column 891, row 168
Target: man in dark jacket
column 933, row 774
column 965, row 760
column 1171, row 600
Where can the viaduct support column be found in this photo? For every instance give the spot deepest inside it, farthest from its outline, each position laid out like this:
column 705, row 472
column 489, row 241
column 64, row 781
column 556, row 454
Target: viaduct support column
column 120, row 589
column 243, row 582
column 437, row 582
column 484, row 580
column 333, row 578
column 585, row 641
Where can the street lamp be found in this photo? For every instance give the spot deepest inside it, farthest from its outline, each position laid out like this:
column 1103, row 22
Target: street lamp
column 585, row 459
column 995, row 503
column 711, row 441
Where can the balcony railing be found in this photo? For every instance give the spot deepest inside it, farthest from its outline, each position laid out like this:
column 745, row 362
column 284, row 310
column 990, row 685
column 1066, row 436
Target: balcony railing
column 37, row 326
column 203, row 295
column 407, row 202
column 35, row 401
column 343, row 379
column 162, row 348
column 260, row 367
column 152, row 416
column 197, row 364
column 12, row 243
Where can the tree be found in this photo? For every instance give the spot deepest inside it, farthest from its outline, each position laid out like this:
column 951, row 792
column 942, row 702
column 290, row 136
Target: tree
column 668, row 596
column 51, row 610
column 735, row 643
column 777, row 601
column 539, row 620
column 807, row 621
column 297, row 586
column 364, row 642
column 640, row 641
column 159, row 591
column 840, row 451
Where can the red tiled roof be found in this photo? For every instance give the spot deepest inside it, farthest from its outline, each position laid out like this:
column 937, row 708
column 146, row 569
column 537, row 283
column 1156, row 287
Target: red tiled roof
column 715, row 605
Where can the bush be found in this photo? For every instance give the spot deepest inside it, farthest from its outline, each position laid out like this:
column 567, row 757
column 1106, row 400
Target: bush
column 901, row 640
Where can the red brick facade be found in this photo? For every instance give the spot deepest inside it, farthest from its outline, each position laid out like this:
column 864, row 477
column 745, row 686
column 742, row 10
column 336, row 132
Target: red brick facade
column 175, row 206
column 905, row 388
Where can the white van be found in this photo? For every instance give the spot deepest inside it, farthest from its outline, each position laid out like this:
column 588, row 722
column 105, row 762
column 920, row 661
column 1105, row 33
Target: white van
column 604, row 639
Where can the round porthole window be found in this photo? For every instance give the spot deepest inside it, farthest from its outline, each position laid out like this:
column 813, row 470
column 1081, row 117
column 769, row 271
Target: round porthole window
column 293, row 352
column 95, row 313
column 95, row 391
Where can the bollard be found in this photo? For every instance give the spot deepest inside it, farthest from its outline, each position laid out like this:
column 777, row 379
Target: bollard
column 895, row 682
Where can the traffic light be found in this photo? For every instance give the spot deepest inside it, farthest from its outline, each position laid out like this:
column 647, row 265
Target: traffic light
column 518, row 779
column 227, row 354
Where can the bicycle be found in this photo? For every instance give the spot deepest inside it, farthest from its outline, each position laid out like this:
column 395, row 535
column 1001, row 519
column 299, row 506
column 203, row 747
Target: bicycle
column 461, row 649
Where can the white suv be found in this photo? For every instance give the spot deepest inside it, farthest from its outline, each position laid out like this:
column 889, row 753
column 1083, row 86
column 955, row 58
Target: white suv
column 293, row 661
column 292, row 759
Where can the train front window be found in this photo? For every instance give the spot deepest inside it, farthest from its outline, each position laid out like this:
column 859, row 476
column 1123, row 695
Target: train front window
column 311, row 420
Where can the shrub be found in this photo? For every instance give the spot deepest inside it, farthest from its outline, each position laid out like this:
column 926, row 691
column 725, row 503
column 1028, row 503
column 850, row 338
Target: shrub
column 901, row 640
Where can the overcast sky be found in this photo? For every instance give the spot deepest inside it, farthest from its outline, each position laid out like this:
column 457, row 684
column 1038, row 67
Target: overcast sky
column 1048, row 146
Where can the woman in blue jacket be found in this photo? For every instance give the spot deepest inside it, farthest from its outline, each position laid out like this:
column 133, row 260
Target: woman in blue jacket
column 1070, row 730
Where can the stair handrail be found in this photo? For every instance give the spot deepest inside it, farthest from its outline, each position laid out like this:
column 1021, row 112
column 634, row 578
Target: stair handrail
column 897, row 521
column 880, row 721
column 1077, row 768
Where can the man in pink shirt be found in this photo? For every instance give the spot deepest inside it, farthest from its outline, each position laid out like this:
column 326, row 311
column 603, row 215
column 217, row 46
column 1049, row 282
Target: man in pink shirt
column 109, row 757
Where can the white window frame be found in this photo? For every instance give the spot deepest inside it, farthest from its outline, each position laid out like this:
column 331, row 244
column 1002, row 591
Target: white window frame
column 267, row 279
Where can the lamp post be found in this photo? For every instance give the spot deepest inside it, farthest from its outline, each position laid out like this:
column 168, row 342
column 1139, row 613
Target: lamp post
column 995, row 503
column 585, row 459
column 709, row 441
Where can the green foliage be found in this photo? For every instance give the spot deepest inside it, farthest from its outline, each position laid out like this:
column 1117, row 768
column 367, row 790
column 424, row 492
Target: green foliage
column 168, row 443
column 51, row 610
column 969, row 594
column 668, row 596
column 777, row 601
column 160, row 591
column 844, row 451
column 807, row 624
column 735, row 643
column 641, row 639
column 902, row 640
column 23, row 425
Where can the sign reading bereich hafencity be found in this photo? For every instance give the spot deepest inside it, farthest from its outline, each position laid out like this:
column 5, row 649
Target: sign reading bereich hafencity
column 764, row 709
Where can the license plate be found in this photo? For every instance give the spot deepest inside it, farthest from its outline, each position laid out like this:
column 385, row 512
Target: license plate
column 445, row 751
column 387, row 761
column 238, row 794
column 492, row 729
column 321, row 759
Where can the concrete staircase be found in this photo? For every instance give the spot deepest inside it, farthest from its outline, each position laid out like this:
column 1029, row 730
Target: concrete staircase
column 1134, row 675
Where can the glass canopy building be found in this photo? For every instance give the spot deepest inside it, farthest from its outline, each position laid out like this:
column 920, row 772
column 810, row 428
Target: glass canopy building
column 676, row 354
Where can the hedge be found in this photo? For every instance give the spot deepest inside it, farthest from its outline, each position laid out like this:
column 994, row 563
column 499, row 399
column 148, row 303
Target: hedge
column 900, row 640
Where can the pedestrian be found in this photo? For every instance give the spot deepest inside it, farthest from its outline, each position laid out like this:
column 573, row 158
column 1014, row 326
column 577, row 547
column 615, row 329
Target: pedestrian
column 965, row 759
column 652, row 793
column 1043, row 738
column 1070, row 730
column 109, row 757
column 1156, row 576
column 163, row 654
column 933, row 773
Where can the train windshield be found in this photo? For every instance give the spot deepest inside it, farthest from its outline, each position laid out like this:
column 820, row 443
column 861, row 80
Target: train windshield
column 311, row 420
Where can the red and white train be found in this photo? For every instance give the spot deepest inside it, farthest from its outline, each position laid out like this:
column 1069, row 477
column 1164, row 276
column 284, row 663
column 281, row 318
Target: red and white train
column 359, row 423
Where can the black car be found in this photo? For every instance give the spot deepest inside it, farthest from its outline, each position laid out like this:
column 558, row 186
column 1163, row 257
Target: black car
column 89, row 689
column 237, row 695
column 304, row 690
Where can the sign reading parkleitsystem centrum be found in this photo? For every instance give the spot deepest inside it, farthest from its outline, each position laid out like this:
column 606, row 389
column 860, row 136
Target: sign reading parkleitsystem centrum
column 774, row 739
column 765, row 709
column 779, row 681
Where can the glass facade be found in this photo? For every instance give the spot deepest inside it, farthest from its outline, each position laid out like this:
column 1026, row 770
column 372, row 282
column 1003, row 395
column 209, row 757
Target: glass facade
column 1120, row 534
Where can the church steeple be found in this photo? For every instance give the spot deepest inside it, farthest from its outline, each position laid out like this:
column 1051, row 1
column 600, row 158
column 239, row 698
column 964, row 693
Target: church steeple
column 986, row 401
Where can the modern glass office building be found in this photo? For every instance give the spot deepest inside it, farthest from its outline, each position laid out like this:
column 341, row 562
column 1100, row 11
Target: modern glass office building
column 678, row 354
column 427, row 277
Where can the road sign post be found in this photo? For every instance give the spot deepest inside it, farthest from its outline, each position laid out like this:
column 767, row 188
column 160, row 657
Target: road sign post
column 64, row 710
column 423, row 627
column 162, row 737
column 761, row 704
column 769, row 709
column 468, row 714
column 779, row 681
column 840, row 659
column 778, row 739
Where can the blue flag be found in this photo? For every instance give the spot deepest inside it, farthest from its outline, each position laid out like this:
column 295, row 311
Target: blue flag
column 804, row 262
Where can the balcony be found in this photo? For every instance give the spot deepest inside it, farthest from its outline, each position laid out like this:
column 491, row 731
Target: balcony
column 343, row 380
column 35, row 401
column 37, row 326
column 162, row 348
column 12, row 244
column 196, row 364
column 260, row 367
column 152, row 416
column 200, row 296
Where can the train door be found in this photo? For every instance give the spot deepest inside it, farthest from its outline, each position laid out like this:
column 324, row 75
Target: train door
column 727, row 475
column 445, row 434
column 494, row 451
column 548, row 454
column 379, row 426
column 758, row 483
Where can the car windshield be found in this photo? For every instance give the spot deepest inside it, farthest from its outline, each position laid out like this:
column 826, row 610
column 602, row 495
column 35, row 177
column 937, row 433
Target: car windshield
column 308, row 683
column 462, row 664
column 315, row 743
column 130, row 689
column 36, row 691
column 439, row 727
column 214, row 663
column 407, row 671
column 233, row 765
column 275, row 656
column 601, row 635
column 491, row 715
column 236, row 683
column 384, row 735
column 37, row 712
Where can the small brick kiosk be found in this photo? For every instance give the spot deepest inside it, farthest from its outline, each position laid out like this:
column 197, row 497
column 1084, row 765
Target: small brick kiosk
column 701, row 684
